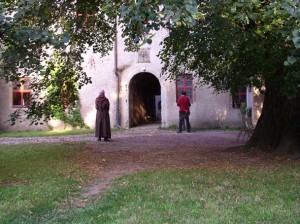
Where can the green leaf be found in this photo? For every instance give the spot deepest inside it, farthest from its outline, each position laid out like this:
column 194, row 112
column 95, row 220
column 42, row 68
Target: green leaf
column 66, row 39
column 191, row 9
column 290, row 61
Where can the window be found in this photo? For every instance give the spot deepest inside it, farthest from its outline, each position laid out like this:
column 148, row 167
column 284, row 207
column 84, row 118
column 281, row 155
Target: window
column 184, row 83
column 21, row 93
column 85, row 21
column 239, row 97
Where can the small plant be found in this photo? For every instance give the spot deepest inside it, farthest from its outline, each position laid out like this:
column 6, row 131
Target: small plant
column 171, row 127
column 243, row 108
column 249, row 111
column 236, row 104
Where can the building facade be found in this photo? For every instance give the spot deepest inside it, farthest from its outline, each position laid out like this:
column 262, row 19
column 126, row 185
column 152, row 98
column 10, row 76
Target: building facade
column 138, row 93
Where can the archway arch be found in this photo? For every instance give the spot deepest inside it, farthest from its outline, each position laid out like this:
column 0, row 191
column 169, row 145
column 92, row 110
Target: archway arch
column 144, row 99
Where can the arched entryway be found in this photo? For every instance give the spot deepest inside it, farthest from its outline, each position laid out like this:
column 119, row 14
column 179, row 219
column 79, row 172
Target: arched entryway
column 144, row 99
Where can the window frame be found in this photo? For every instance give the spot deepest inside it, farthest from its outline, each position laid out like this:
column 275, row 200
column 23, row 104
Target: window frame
column 239, row 96
column 185, row 79
column 22, row 87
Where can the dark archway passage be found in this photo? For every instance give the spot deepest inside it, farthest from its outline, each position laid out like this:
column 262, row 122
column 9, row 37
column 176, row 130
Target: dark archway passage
column 144, row 99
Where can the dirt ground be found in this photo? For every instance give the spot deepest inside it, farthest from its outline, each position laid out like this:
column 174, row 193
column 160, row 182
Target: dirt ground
column 148, row 147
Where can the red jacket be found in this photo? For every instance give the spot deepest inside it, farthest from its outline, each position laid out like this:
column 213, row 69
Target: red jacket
column 184, row 103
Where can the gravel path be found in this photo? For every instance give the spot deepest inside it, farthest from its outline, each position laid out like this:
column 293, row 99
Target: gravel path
column 52, row 139
column 137, row 132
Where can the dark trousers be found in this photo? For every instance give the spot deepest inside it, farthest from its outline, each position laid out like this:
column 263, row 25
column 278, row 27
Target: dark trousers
column 184, row 117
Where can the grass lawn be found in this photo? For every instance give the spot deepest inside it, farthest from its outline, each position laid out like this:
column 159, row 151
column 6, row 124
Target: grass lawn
column 260, row 195
column 36, row 179
column 51, row 133
column 39, row 182
column 45, row 133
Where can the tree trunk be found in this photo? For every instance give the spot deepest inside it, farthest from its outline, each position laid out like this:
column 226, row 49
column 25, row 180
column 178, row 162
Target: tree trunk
column 278, row 128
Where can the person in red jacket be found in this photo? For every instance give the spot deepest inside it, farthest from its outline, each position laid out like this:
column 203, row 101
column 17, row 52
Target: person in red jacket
column 184, row 104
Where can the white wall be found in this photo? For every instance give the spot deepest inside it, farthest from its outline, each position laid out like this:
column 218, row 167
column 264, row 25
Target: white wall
column 208, row 109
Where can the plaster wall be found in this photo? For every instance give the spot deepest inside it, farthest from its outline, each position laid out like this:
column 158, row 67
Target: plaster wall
column 208, row 109
column 101, row 70
column 105, row 75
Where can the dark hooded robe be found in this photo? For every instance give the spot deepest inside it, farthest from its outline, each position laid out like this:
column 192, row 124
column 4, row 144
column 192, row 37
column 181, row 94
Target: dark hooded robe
column 103, row 129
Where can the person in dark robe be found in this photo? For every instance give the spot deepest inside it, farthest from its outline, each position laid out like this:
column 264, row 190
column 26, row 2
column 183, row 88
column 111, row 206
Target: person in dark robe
column 103, row 129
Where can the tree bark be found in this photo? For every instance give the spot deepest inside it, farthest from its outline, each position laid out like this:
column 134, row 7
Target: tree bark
column 278, row 128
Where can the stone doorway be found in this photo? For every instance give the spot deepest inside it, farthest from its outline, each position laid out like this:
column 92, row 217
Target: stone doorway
column 144, row 99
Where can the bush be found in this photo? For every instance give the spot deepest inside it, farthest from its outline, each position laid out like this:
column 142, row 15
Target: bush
column 71, row 116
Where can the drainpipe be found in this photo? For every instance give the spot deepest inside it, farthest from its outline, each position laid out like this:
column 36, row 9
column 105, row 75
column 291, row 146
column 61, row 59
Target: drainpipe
column 117, row 74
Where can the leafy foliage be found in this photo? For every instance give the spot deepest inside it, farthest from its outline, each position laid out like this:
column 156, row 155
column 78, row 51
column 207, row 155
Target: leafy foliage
column 71, row 116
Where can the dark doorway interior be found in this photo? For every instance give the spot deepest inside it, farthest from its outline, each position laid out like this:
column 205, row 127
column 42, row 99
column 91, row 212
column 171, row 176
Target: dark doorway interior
column 144, row 99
